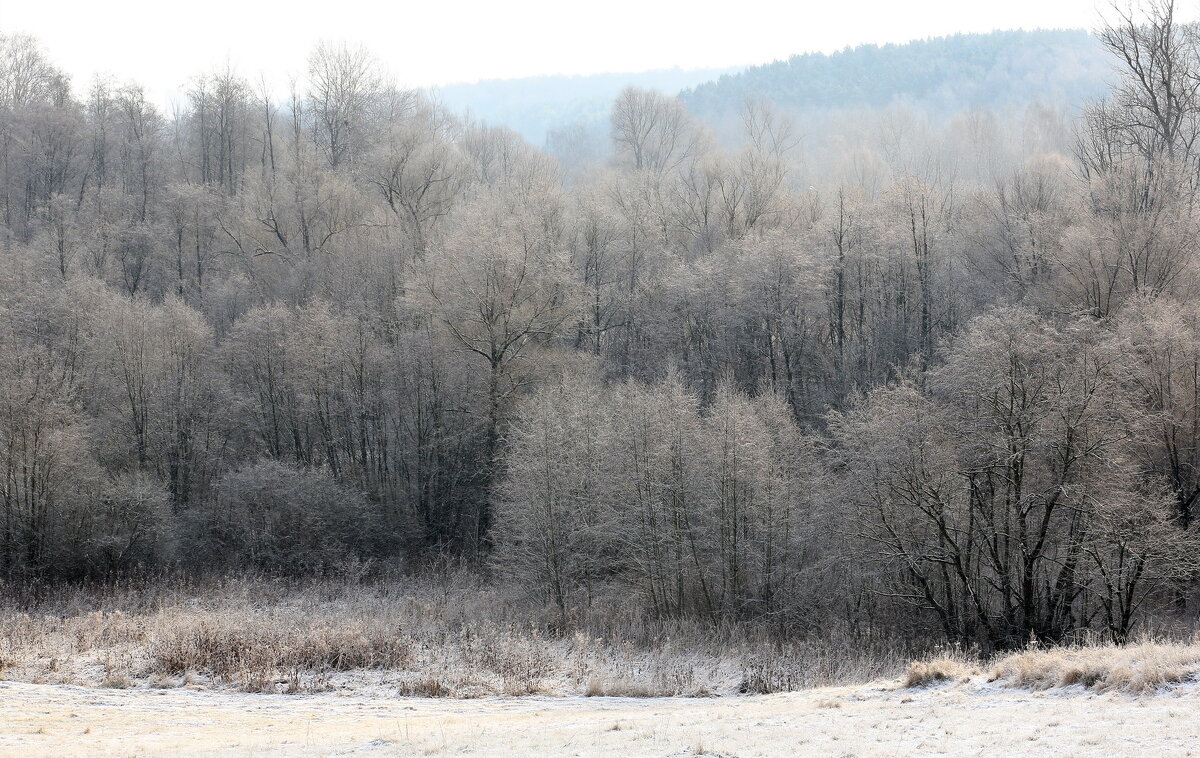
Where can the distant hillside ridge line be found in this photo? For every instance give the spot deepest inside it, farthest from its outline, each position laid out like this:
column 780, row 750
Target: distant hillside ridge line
column 948, row 73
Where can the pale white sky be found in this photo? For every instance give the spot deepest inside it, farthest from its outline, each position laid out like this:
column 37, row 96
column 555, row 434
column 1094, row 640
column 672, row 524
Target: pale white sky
column 162, row 43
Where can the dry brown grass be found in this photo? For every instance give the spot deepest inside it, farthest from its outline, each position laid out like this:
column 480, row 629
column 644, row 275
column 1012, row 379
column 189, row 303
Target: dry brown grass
column 599, row 686
column 228, row 647
column 459, row 638
column 922, row 673
column 447, row 638
column 1138, row 668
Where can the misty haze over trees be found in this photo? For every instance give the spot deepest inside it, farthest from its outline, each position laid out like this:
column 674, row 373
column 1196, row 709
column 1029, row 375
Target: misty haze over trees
column 930, row 365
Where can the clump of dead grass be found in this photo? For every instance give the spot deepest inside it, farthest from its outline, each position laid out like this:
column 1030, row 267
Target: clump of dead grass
column 943, row 668
column 601, row 686
column 1135, row 669
column 444, row 685
column 265, row 643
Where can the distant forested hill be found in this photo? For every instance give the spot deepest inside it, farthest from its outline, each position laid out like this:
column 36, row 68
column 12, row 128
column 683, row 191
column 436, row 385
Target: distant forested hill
column 940, row 76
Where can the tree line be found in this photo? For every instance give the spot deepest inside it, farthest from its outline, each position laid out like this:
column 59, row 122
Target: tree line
column 944, row 378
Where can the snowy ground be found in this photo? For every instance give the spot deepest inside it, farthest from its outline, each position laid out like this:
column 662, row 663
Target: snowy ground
column 964, row 719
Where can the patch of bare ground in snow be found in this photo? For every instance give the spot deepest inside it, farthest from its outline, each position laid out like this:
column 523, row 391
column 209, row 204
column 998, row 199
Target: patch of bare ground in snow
column 964, row 718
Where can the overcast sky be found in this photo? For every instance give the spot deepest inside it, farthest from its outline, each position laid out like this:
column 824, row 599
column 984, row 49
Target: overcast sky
column 161, row 43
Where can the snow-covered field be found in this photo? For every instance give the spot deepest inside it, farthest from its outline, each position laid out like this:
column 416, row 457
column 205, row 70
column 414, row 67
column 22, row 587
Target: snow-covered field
column 961, row 719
